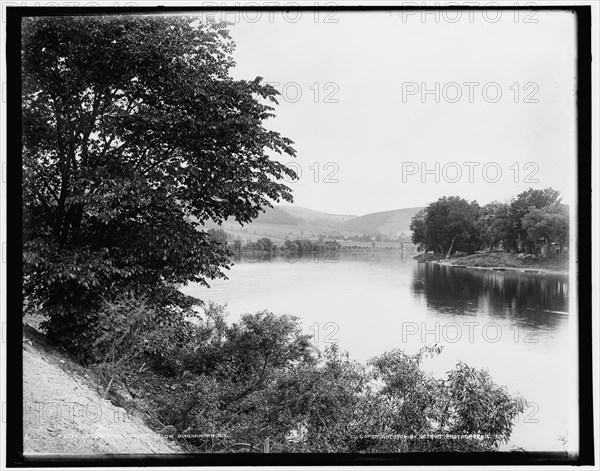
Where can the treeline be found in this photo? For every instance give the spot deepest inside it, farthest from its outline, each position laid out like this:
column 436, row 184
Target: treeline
column 298, row 247
column 533, row 219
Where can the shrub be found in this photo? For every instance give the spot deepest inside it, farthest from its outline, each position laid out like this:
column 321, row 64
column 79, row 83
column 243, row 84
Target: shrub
column 260, row 378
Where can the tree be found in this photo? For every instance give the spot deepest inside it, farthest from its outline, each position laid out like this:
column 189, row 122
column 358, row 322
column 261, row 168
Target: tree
column 451, row 223
column 521, row 206
column 418, row 226
column 559, row 217
column 218, row 235
column 265, row 244
column 134, row 134
column 495, row 226
column 291, row 248
column 447, row 225
column 237, row 245
column 467, row 402
column 550, row 223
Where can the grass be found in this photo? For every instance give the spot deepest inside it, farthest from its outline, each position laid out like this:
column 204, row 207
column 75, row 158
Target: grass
column 553, row 262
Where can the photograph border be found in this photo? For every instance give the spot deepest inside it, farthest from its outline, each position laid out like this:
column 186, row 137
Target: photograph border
column 583, row 277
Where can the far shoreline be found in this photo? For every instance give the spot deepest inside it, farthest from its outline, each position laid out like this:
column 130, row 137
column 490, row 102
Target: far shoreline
column 531, row 271
column 555, row 264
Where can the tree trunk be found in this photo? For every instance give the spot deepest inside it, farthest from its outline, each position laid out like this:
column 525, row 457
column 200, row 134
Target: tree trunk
column 451, row 245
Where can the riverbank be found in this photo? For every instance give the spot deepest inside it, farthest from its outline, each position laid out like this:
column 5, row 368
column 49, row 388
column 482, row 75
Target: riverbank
column 64, row 412
column 556, row 264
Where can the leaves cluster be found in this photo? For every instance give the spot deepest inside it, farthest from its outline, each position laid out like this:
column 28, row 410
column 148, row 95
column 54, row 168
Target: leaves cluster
column 229, row 387
column 451, row 224
column 134, row 134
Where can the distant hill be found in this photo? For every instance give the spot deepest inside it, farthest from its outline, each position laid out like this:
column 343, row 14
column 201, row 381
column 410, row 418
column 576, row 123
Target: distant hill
column 277, row 215
column 386, row 222
column 318, row 217
column 280, row 222
column 391, row 222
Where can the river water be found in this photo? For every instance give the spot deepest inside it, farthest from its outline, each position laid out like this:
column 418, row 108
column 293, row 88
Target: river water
column 514, row 324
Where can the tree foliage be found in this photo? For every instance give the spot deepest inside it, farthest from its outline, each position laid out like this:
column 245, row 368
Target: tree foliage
column 524, row 203
column 447, row 225
column 134, row 134
column 230, row 387
column 452, row 224
column 496, row 226
column 550, row 223
column 418, row 227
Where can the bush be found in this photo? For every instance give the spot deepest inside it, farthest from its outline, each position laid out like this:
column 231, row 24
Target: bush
column 122, row 332
column 260, row 378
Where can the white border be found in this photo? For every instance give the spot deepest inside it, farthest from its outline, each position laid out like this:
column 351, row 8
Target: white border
column 217, row 3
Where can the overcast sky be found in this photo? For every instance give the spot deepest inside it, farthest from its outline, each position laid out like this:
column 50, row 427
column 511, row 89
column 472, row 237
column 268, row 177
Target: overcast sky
column 371, row 121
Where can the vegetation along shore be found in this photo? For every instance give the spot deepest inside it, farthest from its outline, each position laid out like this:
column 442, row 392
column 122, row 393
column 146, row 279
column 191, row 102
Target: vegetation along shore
column 552, row 264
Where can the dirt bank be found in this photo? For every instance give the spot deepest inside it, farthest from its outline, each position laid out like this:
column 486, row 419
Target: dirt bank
column 64, row 414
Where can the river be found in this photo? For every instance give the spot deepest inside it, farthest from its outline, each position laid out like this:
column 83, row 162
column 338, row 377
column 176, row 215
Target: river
column 516, row 325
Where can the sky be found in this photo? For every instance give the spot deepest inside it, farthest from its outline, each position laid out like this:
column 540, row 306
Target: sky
column 393, row 110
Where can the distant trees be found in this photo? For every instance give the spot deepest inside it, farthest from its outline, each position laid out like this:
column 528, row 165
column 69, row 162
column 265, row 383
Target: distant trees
column 498, row 226
column 523, row 204
column 264, row 245
column 237, row 244
column 360, row 238
column 290, row 246
column 550, row 223
column 297, row 247
column 485, row 225
column 447, row 225
column 452, row 224
column 218, row 235
column 378, row 236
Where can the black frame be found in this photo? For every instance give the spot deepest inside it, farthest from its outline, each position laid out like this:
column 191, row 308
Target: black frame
column 14, row 442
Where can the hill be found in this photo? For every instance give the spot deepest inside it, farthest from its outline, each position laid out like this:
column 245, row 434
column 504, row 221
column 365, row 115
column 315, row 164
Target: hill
column 277, row 215
column 318, row 217
column 386, row 222
column 286, row 221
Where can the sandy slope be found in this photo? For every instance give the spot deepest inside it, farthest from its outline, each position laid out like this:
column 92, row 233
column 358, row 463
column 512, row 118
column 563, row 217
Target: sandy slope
column 64, row 415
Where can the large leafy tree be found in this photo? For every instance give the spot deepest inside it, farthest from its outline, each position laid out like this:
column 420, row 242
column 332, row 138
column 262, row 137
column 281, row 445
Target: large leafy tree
column 134, row 134
column 523, row 203
column 451, row 223
column 496, row 226
column 447, row 225
column 550, row 223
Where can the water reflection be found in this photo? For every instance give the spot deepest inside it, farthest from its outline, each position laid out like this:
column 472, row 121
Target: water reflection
column 527, row 299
